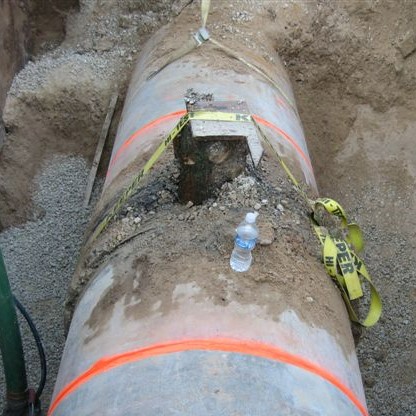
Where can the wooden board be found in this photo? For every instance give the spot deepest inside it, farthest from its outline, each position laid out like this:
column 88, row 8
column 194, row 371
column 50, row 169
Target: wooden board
column 100, row 147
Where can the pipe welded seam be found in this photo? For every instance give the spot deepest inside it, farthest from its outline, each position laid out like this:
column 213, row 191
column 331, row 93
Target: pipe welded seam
column 231, row 345
column 180, row 113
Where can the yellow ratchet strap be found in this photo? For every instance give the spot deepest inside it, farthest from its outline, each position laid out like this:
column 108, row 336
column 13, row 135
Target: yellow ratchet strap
column 134, row 185
column 340, row 260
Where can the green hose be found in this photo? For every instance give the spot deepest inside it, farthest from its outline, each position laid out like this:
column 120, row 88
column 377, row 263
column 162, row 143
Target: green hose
column 11, row 348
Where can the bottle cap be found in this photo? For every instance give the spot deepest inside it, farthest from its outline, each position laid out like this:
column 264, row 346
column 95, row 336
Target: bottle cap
column 251, row 217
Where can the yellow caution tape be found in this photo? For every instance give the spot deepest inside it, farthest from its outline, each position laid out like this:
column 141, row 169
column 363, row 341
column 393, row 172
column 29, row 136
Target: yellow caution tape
column 376, row 307
column 283, row 164
column 354, row 234
column 255, row 68
column 330, row 258
column 333, row 208
column 205, row 5
column 340, row 261
column 219, row 116
column 344, row 266
column 134, row 185
column 340, row 253
column 195, row 41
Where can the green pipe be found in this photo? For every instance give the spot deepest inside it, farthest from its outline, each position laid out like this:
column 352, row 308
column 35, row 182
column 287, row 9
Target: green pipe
column 11, row 347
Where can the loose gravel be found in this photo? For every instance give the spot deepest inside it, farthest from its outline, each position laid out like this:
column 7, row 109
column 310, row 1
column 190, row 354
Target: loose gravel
column 36, row 74
column 41, row 257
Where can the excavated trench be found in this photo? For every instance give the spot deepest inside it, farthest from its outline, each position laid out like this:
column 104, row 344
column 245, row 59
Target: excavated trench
column 28, row 29
column 353, row 70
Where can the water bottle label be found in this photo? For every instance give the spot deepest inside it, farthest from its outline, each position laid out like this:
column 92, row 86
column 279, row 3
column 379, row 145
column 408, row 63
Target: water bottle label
column 245, row 244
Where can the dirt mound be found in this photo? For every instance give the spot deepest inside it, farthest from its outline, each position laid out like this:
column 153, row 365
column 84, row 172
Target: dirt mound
column 152, row 220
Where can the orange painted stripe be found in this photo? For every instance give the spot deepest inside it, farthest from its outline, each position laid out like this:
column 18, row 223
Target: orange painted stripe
column 178, row 114
column 149, row 126
column 237, row 346
column 281, row 132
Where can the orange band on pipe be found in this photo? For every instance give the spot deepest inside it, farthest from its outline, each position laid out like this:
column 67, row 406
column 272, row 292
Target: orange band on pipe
column 178, row 114
column 149, row 126
column 237, row 346
column 282, row 133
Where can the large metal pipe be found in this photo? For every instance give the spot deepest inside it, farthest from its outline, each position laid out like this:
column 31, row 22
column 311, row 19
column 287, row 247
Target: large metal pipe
column 140, row 344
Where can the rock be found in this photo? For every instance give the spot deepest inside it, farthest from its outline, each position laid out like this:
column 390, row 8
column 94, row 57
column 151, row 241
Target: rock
column 367, row 362
column 398, row 64
column 280, row 207
column 369, row 381
column 245, row 183
column 309, row 299
column 222, row 208
column 233, row 196
column 38, row 213
column 189, row 204
column 381, row 355
column 264, row 201
column 181, row 217
column 257, row 206
column 103, row 45
column 214, row 205
column 124, row 21
column 361, row 8
column 2, row 134
column 266, row 234
column 85, row 45
column 408, row 45
column 137, row 220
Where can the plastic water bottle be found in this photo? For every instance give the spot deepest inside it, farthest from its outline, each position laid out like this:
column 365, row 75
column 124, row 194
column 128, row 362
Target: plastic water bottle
column 247, row 233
